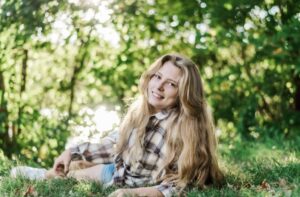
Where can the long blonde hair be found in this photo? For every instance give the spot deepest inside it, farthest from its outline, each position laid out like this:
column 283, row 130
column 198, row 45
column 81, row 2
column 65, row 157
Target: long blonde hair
column 191, row 141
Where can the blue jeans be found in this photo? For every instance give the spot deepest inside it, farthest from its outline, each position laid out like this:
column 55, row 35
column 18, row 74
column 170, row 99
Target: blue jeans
column 107, row 173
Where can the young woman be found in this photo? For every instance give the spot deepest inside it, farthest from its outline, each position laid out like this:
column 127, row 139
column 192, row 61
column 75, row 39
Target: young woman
column 166, row 141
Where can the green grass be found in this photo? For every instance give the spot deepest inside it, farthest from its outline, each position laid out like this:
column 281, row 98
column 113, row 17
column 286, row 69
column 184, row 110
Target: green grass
column 269, row 168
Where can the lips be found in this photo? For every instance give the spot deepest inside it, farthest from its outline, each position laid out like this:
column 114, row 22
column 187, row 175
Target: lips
column 156, row 95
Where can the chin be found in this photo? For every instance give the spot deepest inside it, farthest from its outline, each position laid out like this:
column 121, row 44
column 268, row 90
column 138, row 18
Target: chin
column 154, row 106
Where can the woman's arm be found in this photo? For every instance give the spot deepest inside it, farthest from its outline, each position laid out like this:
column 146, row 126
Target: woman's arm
column 101, row 152
column 96, row 153
column 141, row 191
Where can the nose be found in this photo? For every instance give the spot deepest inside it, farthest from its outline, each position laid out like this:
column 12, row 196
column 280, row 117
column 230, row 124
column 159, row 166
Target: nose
column 160, row 86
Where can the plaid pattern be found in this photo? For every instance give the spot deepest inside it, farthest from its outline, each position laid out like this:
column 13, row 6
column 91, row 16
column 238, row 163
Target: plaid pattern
column 144, row 170
column 97, row 153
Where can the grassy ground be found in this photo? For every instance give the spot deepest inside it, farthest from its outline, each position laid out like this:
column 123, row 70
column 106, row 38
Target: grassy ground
column 269, row 168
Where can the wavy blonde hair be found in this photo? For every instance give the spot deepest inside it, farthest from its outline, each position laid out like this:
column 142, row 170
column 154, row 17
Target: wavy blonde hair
column 191, row 141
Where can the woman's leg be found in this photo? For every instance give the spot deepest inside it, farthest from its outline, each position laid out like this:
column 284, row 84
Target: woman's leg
column 91, row 173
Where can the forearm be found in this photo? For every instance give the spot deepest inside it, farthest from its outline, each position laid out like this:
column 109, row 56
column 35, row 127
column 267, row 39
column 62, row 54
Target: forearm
column 96, row 153
column 147, row 191
column 137, row 192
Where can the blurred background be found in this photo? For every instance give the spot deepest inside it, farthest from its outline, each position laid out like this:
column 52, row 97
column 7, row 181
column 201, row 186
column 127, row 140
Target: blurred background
column 69, row 68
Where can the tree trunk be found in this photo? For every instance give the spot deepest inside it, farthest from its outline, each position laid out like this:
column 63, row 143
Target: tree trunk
column 5, row 141
column 22, row 89
column 297, row 94
column 80, row 61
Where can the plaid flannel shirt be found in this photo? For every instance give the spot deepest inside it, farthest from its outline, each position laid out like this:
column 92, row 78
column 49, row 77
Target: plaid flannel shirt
column 134, row 173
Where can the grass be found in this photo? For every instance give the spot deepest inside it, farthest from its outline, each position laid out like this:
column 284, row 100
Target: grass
column 268, row 168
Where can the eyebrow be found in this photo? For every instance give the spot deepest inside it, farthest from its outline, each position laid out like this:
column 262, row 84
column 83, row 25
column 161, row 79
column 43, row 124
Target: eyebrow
column 172, row 80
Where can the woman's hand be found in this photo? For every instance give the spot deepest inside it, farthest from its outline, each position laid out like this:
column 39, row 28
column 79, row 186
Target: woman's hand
column 62, row 162
column 134, row 192
column 123, row 193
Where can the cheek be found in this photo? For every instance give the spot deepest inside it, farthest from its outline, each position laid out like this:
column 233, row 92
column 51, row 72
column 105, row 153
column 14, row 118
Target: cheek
column 173, row 95
column 150, row 84
column 149, row 87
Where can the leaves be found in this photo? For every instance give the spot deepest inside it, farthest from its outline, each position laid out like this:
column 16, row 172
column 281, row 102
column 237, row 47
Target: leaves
column 30, row 192
column 264, row 185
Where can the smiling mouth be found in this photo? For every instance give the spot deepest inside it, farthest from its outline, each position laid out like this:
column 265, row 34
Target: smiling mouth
column 158, row 96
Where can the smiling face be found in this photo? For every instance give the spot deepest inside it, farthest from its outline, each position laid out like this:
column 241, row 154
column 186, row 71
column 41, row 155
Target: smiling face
column 163, row 87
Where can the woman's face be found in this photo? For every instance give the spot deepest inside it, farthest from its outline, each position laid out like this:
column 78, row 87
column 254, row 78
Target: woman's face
column 163, row 87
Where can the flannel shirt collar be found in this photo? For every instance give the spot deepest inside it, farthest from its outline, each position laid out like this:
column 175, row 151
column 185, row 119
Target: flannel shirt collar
column 162, row 114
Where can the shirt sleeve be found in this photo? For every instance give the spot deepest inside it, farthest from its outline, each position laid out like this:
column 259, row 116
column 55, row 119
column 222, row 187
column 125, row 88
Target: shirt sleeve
column 102, row 152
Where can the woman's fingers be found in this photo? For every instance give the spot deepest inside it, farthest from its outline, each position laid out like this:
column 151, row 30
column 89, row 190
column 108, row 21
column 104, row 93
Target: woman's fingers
column 122, row 193
column 116, row 193
column 56, row 164
column 62, row 162
column 66, row 166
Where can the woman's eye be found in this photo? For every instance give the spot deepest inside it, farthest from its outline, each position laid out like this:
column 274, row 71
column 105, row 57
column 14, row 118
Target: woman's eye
column 172, row 84
column 157, row 76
